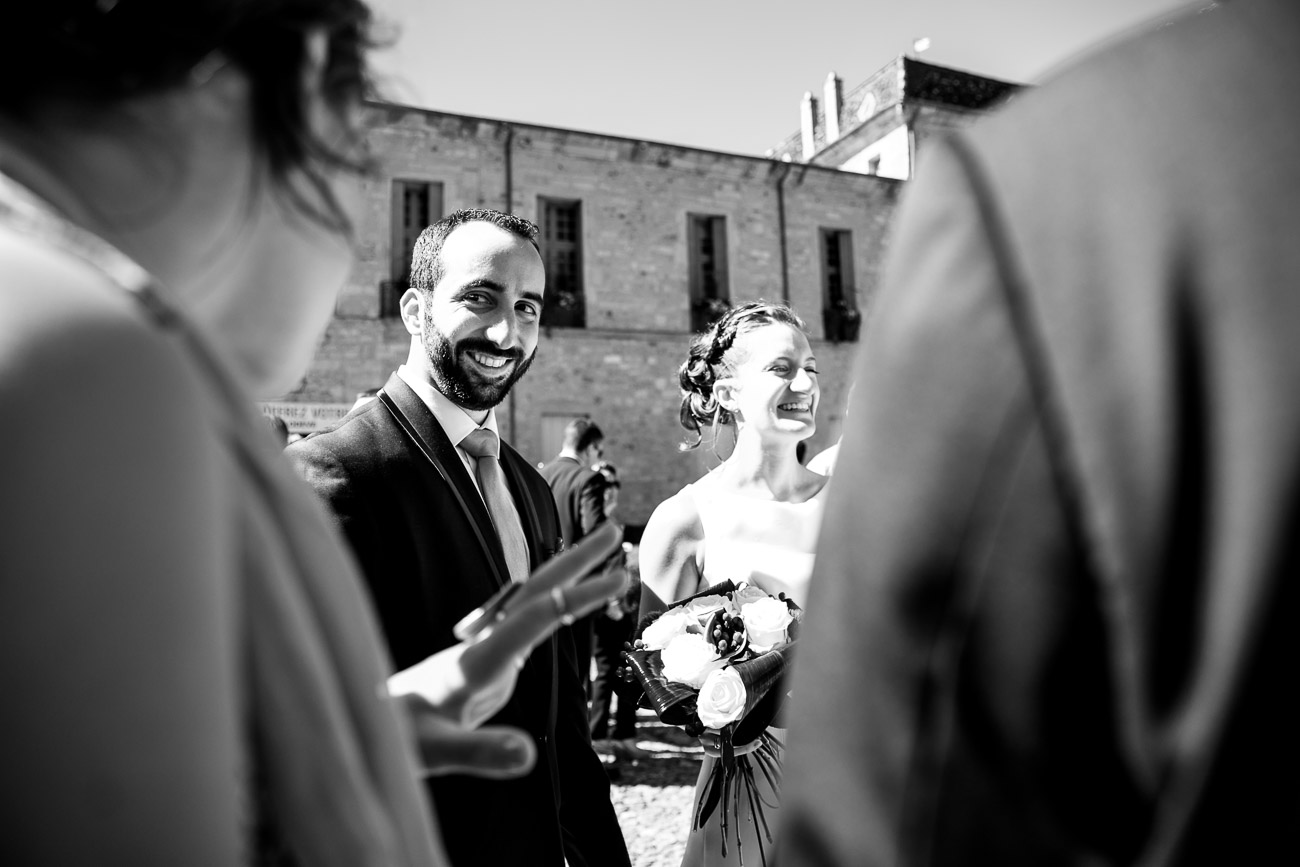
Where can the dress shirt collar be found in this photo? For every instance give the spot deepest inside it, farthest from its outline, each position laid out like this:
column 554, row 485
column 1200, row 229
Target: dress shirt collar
column 455, row 423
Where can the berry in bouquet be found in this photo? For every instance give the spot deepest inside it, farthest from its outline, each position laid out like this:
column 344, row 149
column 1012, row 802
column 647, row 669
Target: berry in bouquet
column 715, row 662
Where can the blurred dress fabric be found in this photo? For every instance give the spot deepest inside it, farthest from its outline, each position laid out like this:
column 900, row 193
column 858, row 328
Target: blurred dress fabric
column 331, row 769
column 770, row 544
column 1055, row 601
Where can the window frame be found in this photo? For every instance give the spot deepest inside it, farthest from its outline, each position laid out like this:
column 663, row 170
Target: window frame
column 706, row 306
column 401, row 241
column 554, row 315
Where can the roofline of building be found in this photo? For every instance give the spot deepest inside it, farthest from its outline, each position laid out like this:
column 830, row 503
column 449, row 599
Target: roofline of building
column 899, row 62
column 389, row 104
column 907, row 58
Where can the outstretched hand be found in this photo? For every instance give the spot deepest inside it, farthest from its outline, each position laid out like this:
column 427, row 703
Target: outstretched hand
column 455, row 690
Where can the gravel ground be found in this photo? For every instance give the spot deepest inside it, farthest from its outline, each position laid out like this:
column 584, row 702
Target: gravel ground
column 653, row 796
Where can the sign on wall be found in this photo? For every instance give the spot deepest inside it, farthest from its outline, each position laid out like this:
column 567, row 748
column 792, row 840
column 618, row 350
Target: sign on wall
column 305, row 418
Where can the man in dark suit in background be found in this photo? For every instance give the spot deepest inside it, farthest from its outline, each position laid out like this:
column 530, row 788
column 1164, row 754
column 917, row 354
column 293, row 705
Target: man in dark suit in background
column 441, row 514
column 580, row 497
column 1056, row 608
column 579, row 489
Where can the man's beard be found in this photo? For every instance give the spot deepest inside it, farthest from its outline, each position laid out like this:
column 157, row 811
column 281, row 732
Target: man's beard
column 463, row 386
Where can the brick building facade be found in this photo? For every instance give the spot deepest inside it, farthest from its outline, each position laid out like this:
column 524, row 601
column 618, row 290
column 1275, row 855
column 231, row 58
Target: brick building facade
column 641, row 240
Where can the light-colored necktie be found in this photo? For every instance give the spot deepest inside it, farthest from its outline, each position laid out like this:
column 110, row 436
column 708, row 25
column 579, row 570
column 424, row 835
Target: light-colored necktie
column 484, row 447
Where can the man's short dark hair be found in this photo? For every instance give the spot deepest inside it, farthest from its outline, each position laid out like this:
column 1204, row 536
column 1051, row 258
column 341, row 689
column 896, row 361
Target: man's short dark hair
column 426, row 257
column 581, row 434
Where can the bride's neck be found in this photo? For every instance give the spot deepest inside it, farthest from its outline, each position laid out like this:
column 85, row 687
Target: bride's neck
column 768, row 466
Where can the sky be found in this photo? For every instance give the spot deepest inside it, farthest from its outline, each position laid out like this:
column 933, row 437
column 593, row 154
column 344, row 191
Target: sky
column 724, row 75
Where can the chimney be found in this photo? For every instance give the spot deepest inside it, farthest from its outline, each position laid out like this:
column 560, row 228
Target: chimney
column 808, row 124
column 834, row 100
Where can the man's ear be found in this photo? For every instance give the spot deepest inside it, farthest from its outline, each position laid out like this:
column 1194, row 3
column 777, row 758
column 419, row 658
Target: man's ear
column 411, row 306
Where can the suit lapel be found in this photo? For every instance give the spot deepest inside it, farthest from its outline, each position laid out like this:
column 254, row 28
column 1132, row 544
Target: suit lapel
column 510, row 462
column 429, row 438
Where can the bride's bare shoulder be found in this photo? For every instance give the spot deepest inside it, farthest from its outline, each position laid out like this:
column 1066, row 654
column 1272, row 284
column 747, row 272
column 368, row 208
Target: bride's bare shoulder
column 670, row 544
column 676, row 517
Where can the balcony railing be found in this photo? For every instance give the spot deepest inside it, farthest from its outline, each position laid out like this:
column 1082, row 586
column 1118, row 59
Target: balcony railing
column 706, row 311
column 564, row 308
column 842, row 323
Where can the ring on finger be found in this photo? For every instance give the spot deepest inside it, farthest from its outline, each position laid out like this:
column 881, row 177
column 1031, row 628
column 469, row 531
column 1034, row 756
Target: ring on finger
column 561, row 606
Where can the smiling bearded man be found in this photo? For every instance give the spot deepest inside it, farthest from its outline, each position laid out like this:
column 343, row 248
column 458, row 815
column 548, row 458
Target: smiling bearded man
column 441, row 513
column 458, row 380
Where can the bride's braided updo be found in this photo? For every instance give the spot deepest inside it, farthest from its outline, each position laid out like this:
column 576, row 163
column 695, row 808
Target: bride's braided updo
column 708, row 360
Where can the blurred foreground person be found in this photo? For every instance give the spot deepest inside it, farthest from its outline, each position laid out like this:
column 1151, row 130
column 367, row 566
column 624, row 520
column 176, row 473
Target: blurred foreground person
column 191, row 673
column 1056, row 596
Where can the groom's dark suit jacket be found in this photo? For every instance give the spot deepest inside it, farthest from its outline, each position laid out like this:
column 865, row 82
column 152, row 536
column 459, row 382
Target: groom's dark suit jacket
column 429, row 554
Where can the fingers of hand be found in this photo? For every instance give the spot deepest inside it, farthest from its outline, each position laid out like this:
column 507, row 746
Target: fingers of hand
column 514, row 637
column 488, row 698
column 573, row 564
column 530, row 622
column 439, row 679
column 593, row 593
column 496, row 753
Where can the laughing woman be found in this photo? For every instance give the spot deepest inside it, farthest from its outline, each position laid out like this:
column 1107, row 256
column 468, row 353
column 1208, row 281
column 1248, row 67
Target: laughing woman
column 753, row 518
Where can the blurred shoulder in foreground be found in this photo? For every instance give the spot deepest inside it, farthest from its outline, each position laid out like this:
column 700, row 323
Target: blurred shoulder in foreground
column 1054, row 604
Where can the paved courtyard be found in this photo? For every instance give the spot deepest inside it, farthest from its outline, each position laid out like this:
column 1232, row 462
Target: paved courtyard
column 653, row 796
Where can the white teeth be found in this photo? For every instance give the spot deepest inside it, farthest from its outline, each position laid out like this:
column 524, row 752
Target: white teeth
column 793, row 407
column 488, row 360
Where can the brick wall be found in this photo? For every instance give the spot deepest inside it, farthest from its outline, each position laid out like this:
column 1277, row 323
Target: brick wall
column 635, row 199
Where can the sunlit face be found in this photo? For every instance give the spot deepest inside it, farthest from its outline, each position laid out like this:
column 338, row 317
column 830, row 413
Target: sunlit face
column 479, row 325
column 772, row 388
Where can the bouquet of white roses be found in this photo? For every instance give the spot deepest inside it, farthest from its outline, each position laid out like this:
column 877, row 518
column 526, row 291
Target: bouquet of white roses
column 713, row 661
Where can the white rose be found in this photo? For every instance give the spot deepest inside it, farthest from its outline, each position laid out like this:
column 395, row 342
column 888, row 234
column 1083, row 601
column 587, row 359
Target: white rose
column 765, row 623
column 669, row 625
column 747, row 593
column 703, row 608
column 689, row 658
column 722, row 698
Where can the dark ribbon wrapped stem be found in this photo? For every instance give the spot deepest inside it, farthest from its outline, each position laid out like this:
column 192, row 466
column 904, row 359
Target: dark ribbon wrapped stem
column 674, row 703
